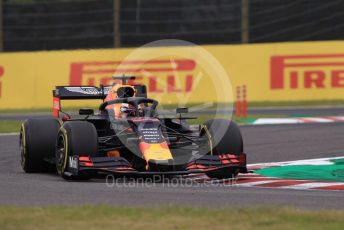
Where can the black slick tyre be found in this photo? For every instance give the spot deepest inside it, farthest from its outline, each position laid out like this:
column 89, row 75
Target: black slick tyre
column 37, row 144
column 75, row 138
column 225, row 138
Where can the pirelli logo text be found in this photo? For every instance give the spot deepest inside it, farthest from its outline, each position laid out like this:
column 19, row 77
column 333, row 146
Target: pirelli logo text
column 160, row 76
column 2, row 71
column 307, row 71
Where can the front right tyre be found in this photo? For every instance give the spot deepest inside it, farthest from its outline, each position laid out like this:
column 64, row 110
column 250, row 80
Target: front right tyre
column 75, row 138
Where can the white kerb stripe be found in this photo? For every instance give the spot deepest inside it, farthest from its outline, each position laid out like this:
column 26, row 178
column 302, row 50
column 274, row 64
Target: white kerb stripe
column 255, row 183
column 318, row 120
column 311, row 185
column 266, row 121
column 337, row 118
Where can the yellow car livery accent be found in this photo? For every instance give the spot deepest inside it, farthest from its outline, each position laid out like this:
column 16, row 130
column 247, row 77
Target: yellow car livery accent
column 66, row 149
column 210, row 139
column 155, row 152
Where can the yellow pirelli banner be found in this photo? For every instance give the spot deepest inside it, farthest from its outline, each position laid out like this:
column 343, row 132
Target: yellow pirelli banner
column 271, row 72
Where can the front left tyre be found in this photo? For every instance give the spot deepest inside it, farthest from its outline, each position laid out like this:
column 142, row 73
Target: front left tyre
column 37, row 144
column 225, row 138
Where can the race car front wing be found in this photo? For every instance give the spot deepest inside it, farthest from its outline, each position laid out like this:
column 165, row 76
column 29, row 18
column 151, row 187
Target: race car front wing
column 121, row 167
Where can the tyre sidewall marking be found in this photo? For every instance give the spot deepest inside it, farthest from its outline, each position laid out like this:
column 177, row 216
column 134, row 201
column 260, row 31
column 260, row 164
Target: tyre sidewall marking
column 205, row 128
column 23, row 143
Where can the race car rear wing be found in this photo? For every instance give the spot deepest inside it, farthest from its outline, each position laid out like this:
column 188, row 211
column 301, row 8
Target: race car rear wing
column 80, row 92
column 90, row 92
column 85, row 92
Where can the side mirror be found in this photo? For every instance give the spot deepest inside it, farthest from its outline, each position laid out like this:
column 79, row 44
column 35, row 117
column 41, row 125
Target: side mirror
column 86, row 111
column 182, row 110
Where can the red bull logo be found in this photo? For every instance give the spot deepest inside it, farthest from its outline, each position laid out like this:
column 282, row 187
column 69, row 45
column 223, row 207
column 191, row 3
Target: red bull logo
column 161, row 76
column 307, row 71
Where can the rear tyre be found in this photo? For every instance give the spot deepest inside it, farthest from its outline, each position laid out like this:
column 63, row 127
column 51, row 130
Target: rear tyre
column 76, row 138
column 226, row 138
column 37, row 144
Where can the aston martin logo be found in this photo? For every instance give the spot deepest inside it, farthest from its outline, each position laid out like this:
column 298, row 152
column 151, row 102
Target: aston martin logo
column 87, row 90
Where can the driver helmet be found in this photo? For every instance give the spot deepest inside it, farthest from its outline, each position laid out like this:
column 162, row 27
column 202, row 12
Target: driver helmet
column 120, row 91
column 127, row 110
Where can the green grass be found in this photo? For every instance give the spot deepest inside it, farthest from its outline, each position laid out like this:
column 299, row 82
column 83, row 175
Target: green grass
column 25, row 111
column 107, row 217
column 9, row 126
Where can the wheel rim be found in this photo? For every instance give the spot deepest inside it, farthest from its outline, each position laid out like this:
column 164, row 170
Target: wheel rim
column 60, row 153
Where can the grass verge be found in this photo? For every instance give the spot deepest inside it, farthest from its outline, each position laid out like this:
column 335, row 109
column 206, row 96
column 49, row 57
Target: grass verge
column 25, row 111
column 10, row 126
column 108, row 217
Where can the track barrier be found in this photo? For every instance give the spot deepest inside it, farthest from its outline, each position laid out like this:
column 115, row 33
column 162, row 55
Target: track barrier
column 278, row 72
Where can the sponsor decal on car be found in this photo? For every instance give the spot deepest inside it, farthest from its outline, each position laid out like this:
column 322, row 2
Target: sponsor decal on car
column 73, row 162
column 84, row 90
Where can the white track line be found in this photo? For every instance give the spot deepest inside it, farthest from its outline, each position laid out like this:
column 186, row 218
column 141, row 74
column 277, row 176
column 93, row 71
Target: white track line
column 8, row 134
column 275, row 121
column 298, row 120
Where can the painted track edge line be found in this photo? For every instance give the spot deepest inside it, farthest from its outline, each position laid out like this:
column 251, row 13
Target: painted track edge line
column 8, row 134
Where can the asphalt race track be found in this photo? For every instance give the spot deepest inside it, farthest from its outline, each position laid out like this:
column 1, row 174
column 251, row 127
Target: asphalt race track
column 263, row 144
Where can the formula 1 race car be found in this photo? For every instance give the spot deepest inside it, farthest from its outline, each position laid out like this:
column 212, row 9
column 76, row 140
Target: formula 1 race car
column 127, row 137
